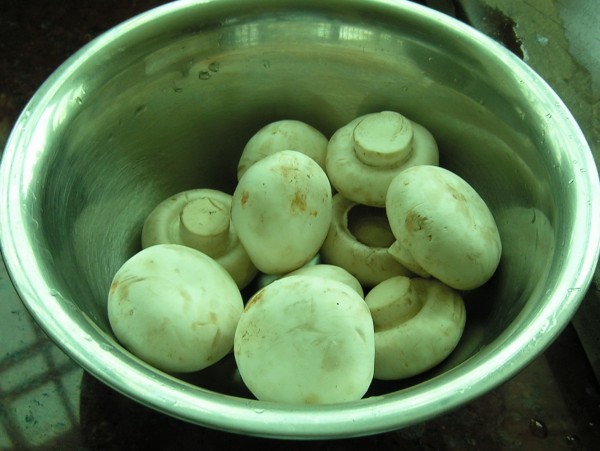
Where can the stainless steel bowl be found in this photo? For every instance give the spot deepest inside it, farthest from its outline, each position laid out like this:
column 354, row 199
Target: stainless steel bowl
column 166, row 101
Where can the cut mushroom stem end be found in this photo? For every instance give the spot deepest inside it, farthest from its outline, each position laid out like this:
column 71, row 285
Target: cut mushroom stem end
column 383, row 139
column 204, row 225
column 394, row 304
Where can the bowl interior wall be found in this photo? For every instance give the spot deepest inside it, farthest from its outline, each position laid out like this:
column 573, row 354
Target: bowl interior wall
column 175, row 115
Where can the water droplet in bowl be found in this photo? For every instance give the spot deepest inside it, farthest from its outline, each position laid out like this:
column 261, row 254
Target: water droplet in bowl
column 140, row 110
column 537, row 428
column 572, row 440
column 204, row 75
column 542, row 40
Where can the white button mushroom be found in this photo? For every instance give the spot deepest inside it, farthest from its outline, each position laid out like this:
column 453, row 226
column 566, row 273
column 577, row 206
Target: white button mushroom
column 305, row 339
column 201, row 219
column 442, row 225
column 358, row 240
column 367, row 153
column 174, row 307
column 281, row 211
column 331, row 272
column 418, row 323
column 286, row 134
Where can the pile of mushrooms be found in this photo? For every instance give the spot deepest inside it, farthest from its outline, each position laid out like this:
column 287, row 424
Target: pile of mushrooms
column 366, row 245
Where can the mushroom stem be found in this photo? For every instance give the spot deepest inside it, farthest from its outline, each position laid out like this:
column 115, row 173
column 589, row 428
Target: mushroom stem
column 204, row 225
column 394, row 303
column 404, row 257
column 383, row 139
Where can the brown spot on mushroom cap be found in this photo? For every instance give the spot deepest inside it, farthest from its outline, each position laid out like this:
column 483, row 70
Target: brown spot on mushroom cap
column 330, row 362
column 122, row 285
column 298, row 202
column 186, row 297
column 244, row 199
column 114, row 286
column 312, row 399
column 455, row 193
column 415, row 222
column 215, row 344
column 121, row 292
column 471, row 256
column 289, row 171
column 255, row 299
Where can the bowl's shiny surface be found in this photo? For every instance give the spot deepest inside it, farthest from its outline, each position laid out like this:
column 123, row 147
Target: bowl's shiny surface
column 166, row 101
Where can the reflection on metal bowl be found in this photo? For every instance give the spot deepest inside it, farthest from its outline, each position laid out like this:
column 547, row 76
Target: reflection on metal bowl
column 166, row 101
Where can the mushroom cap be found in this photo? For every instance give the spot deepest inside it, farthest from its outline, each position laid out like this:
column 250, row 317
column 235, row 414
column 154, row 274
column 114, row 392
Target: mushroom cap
column 281, row 211
column 418, row 323
column 367, row 260
column 286, row 134
column 331, row 272
column 174, row 307
column 445, row 226
column 201, row 219
column 305, row 339
column 366, row 154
